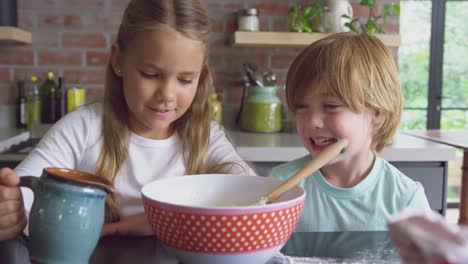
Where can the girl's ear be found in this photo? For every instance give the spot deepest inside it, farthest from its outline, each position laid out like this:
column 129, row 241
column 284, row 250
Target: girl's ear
column 115, row 60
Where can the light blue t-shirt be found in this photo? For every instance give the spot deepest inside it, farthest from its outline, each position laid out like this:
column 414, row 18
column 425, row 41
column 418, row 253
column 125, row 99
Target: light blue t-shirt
column 366, row 206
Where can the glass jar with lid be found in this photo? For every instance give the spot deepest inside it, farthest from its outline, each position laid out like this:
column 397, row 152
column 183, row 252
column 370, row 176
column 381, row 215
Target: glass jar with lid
column 248, row 20
column 262, row 110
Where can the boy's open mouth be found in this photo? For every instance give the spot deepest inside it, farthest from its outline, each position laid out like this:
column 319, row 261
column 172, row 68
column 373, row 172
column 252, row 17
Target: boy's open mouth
column 321, row 142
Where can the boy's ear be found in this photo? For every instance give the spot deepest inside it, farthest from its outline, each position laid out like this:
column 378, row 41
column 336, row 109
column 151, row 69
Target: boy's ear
column 378, row 118
column 115, row 60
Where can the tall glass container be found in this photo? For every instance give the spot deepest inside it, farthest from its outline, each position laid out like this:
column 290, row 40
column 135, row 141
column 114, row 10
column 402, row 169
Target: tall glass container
column 262, row 110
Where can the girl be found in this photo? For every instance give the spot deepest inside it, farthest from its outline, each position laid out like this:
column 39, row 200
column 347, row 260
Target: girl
column 154, row 121
column 347, row 86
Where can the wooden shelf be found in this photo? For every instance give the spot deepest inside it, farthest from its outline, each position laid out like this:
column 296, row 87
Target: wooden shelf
column 14, row 35
column 294, row 39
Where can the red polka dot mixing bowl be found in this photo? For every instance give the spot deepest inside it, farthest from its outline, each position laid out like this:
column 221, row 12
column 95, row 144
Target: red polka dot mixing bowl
column 213, row 218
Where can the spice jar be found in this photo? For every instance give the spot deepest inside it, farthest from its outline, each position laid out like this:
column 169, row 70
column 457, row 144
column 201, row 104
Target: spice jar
column 262, row 110
column 248, row 20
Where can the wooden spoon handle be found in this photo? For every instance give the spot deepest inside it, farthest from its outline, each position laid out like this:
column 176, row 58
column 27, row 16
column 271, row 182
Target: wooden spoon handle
column 316, row 163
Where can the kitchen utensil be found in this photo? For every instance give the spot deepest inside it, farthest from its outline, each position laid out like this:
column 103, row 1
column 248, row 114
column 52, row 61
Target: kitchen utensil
column 269, row 78
column 209, row 218
column 251, row 73
column 316, row 163
column 67, row 215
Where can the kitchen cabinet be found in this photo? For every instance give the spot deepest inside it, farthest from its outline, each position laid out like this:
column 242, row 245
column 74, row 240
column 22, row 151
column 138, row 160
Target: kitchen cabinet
column 293, row 39
column 14, row 35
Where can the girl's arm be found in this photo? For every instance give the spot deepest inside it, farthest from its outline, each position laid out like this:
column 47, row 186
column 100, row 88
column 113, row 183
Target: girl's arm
column 221, row 152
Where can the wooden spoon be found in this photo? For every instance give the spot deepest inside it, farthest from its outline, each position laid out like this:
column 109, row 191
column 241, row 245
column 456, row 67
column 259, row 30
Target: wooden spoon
column 318, row 161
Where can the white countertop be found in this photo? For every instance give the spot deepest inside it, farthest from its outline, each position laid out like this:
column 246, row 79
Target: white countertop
column 282, row 147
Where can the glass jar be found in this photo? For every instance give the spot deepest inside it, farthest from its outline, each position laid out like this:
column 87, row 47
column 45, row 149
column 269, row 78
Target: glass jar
column 216, row 108
column 248, row 20
column 262, row 110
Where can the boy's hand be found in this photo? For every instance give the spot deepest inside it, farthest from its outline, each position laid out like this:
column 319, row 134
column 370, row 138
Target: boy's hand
column 12, row 213
column 136, row 225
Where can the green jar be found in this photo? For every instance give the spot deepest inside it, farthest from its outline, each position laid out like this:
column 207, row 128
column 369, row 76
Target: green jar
column 262, row 110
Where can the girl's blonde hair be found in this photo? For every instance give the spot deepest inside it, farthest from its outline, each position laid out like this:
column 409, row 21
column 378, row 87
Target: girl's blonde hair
column 190, row 19
column 360, row 70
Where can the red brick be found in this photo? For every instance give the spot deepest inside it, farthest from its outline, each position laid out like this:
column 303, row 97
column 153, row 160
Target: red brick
column 228, row 79
column 281, row 78
column 360, row 11
column 216, row 61
column 220, row 40
column 82, row 77
column 280, row 24
column 38, row 4
column 97, row 58
column 217, row 24
column 118, row 5
column 391, row 28
column 50, row 21
column 102, row 22
column 27, row 20
column 233, row 95
column 94, row 94
column 55, row 21
column 40, row 73
column 89, row 5
column 282, row 61
column 4, row 75
column 219, row 7
column 71, row 21
column 277, row 8
column 16, row 57
column 45, row 39
column 255, row 56
column 231, row 24
column 81, row 40
column 58, row 58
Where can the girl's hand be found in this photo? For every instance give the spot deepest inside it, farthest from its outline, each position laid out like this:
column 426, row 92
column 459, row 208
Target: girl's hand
column 136, row 225
column 425, row 237
column 12, row 213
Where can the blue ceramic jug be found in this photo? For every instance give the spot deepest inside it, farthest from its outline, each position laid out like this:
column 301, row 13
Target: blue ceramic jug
column 67, row 215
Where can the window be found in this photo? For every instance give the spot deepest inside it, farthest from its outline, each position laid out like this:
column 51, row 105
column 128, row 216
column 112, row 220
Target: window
column 434, row 70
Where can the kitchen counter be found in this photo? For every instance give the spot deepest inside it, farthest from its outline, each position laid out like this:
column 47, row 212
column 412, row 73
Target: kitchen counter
column 421, row 160
column 282, row 147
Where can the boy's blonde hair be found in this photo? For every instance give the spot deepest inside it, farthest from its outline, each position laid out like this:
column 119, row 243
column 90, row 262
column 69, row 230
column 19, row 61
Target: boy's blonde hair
column 190, row 19
column 360, row 70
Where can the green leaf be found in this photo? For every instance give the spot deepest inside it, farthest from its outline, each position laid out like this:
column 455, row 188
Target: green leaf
column 307, row 27
column 396, row 7
column 387, row 10
column 351, row 27
column 345, row 16
column 380, row 30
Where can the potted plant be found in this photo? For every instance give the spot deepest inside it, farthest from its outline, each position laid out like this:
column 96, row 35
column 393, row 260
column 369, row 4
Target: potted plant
column 305, row 19
column 375, row 21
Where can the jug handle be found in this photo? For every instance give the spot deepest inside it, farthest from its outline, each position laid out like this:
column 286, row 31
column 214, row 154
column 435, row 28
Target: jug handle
column 29, row 182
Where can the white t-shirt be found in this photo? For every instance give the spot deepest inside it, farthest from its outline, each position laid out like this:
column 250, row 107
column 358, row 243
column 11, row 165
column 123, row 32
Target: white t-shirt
column 75, row 142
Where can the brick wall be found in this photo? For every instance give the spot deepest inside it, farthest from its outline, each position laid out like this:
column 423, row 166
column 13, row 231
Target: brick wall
column 72, row 38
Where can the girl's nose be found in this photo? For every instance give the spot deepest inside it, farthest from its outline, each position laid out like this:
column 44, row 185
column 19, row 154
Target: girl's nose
column 166, row 91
